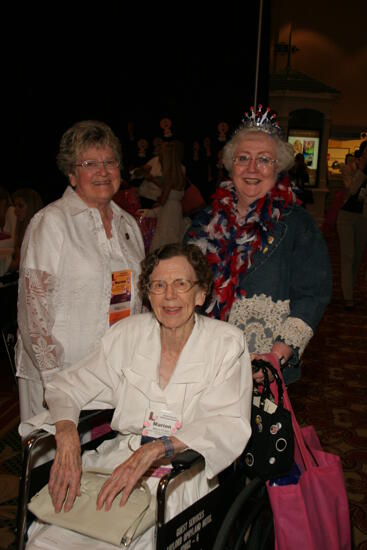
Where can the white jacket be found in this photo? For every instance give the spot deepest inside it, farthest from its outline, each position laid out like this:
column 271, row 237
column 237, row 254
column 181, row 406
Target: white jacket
column 211, row 388
column 65, row 283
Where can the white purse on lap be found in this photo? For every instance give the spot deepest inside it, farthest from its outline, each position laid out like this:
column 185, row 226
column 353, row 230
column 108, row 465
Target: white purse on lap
column 119, row 526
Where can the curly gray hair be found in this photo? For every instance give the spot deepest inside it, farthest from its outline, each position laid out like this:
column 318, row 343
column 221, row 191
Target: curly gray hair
column 284, row 150
column 81, row 136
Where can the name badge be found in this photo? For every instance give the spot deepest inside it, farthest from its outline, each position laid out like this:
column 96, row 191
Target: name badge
column 121, row 296
column 159, row 423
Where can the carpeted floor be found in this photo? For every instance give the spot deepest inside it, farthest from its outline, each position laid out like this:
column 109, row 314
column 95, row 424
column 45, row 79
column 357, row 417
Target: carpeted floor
column 333, row 390
column 10, row 468
column 331, row 396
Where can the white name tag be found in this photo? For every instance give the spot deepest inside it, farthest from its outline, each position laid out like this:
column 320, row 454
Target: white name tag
column 158, row 423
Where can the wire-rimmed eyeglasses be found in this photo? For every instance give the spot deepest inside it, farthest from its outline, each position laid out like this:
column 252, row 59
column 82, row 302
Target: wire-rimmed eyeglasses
column 94, row 165
column 179, row 285
column 262, row 162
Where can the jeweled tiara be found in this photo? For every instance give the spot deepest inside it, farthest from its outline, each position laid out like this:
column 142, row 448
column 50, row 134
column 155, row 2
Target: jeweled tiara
column 261, row 121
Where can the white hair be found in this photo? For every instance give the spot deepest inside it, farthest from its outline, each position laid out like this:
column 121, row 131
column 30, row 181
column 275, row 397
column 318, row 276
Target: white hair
column 284, row 150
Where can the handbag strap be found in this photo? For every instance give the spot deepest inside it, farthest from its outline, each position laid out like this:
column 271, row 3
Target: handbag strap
column 267, row 390
column 304, row 451
column 267, row 385
column 277, row 382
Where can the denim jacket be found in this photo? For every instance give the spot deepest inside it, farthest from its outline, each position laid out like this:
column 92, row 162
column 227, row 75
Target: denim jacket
column 288, row 285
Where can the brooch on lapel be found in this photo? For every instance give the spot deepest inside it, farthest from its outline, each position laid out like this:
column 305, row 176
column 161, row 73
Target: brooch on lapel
column 270, row 241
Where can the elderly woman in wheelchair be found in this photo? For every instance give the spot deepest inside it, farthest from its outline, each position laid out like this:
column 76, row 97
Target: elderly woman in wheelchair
column 177, row 380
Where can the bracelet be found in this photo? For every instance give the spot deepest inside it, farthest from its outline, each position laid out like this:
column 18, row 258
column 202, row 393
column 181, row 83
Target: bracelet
column 169, row 449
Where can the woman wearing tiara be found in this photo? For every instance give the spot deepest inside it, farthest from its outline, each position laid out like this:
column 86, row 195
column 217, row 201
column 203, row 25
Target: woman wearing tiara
column 270, row 262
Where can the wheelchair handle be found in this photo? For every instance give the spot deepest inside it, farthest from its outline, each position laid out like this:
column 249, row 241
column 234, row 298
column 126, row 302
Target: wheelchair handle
column 24, row 485
column 181, row 462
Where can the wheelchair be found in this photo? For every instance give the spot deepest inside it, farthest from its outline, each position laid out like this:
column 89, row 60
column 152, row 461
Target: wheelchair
column 234, row 516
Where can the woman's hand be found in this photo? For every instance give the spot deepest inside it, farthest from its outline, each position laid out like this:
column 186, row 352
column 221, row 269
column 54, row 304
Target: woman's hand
column 64, row 483
column 126, row 476
column 281, row 351
column 258, row 376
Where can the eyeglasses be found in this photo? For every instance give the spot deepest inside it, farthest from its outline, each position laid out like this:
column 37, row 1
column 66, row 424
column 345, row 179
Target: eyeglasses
column 180, row 285
column 262, row 163
column 94, row 165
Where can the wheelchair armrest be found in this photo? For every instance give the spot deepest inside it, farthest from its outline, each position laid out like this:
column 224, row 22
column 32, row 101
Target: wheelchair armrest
column 181, row 462
column 186, row 459
column 88, row 418
column 32, row 440
column 86, row 422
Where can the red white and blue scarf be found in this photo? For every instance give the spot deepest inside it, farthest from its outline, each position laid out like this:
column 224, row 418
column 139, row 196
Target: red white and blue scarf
column 231, row 240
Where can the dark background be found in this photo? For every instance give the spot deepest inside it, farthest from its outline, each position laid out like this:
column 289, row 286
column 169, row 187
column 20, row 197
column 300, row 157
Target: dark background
column 115, row 65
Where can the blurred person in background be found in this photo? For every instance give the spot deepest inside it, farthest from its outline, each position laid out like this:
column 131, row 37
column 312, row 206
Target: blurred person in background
column 26, row 203
column 166, row 175
column 352, row 224
column 300, row 179
column 8, row 222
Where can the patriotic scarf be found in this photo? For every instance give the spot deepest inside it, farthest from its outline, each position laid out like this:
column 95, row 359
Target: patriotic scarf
column 232, row 241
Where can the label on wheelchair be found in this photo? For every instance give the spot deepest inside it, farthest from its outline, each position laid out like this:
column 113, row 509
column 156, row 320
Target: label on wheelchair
column 196, row 527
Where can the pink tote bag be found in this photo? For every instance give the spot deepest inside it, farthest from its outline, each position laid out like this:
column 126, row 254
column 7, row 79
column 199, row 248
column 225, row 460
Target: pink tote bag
column 314, row 513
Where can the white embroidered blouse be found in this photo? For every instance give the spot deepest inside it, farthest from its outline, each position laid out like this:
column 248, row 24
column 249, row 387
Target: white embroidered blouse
column 65, row 283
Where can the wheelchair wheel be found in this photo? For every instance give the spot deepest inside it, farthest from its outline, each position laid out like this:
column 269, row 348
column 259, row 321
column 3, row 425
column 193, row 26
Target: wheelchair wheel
column 248, row 524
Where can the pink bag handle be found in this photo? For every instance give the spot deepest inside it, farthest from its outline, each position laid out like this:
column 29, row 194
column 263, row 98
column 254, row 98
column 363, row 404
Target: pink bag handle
column 304, row 451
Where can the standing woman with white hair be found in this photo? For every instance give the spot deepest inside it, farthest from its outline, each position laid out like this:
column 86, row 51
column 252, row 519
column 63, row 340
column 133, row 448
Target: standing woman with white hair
column 79, row 265
column 272, row 275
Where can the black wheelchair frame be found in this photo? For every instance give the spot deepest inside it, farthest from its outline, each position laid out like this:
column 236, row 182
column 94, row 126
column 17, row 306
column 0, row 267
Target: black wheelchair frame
column 236, row 515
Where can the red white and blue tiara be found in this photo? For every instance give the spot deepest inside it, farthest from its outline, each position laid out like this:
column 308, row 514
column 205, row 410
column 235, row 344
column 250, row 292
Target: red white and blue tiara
column 260, row 120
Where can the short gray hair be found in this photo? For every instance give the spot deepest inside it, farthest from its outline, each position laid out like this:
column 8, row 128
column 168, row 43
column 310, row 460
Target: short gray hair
column 284, row 150
column 81, row 136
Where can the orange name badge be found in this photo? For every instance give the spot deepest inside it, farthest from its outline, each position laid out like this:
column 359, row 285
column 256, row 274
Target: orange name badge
column 121, row 296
